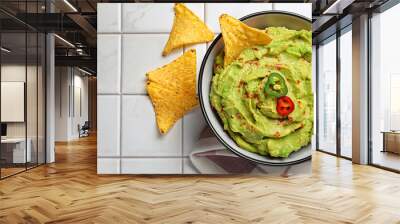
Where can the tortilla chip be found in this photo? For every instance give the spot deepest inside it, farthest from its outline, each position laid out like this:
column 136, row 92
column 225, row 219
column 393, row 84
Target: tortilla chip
column 187, row 29
column 238, row 36
column 172, row 90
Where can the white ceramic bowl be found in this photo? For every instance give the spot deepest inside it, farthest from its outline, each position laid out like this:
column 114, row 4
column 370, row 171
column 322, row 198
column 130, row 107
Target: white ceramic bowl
column 259, row 20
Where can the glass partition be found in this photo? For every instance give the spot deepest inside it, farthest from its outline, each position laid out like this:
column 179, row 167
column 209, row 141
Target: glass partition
column 31, row 100
column 327, row 96
column 385, row 89
column 23, row 89
column 346, row 92
column 14, row 155
column 41, row 107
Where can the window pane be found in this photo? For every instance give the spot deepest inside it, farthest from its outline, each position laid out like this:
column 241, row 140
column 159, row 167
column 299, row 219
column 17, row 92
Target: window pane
column 31, row 100
column 346, row 94
column 41, row 98
column 14, row 153
column 314, row 88
column 385, row 80
column 327, row 96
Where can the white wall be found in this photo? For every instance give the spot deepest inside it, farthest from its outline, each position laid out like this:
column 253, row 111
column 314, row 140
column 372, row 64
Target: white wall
column 79, row 117
column 50, row 94
column 67, row 117
column 17, row 72
column 33, row 127
column 14, row 72
column 62, row 83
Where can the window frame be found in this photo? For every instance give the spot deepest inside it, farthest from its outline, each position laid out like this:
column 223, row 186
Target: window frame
column 334, row 37
column 381, row 9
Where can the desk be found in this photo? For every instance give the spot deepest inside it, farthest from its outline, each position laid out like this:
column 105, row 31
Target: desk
column 391, row 141
column 16, row 148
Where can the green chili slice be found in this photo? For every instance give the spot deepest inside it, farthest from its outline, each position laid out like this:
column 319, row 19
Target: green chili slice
column 276, row 85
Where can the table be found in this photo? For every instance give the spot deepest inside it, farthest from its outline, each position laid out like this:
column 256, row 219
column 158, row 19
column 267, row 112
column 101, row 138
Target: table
column 391, row 141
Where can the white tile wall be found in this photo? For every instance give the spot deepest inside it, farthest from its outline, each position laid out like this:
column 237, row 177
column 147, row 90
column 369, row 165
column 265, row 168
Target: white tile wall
column 201, row 50
column 151, row 165
column 146, row 18
column 188, row 168
column 193, row 126
column 108, row 166
column 131, row 37
column 135, row 65
column 108, row 63
column 197, row 8
column 110, row 21
column 152, row 18
column 108, row 130
column 238, row 10
column 140, row 135
column 299, row 8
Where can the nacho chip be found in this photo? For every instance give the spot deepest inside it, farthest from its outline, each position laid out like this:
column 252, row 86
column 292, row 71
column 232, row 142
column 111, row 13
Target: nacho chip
column 187, row 29
column 172, row 90
column 238, row 36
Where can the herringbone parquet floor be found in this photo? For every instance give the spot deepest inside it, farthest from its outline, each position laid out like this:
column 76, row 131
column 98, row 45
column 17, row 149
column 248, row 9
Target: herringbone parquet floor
column 69, row 191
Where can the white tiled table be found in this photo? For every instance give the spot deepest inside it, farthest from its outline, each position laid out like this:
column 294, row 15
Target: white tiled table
column 131, row 37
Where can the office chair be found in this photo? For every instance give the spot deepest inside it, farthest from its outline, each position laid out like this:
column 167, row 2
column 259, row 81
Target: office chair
column 84, row 130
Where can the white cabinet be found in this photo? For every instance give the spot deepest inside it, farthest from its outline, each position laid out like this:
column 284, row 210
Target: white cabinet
column 17, row 148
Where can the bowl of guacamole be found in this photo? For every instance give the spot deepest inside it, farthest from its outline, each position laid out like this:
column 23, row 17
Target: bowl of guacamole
column 260, row 106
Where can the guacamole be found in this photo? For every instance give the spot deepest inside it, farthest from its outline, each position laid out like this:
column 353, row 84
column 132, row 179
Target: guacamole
column 264, row 97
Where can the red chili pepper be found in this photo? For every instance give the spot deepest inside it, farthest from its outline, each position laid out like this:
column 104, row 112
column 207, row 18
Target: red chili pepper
column 284, row 106
column 279, row 66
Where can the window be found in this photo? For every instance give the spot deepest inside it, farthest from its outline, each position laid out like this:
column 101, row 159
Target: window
column 346, row 92
column 327, row 96
column 385, row 89
column 22, row 78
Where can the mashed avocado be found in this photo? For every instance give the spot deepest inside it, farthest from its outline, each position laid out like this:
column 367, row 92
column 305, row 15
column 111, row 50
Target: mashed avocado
column 248, row 113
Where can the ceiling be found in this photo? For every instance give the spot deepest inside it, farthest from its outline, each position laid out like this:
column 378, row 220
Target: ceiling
column 329, row 16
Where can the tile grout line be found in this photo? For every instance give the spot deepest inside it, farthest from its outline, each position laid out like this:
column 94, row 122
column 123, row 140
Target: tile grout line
column 107, row 94
column 183, row 119
column 182, row 145
column 131, row 32
column 120, row 17
column 145, row 157
column 143, row 94
column 120, row 96
column 205, row 21
column 204, row 14
column 121, row 7
column 117, row 94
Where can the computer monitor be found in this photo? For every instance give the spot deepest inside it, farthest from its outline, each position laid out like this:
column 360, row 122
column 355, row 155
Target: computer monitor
column 3, row 129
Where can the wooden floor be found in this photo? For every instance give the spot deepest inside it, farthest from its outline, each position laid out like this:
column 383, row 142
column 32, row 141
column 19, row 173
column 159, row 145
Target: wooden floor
column 69, row 191
column 5, row 172
column 387, row 159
